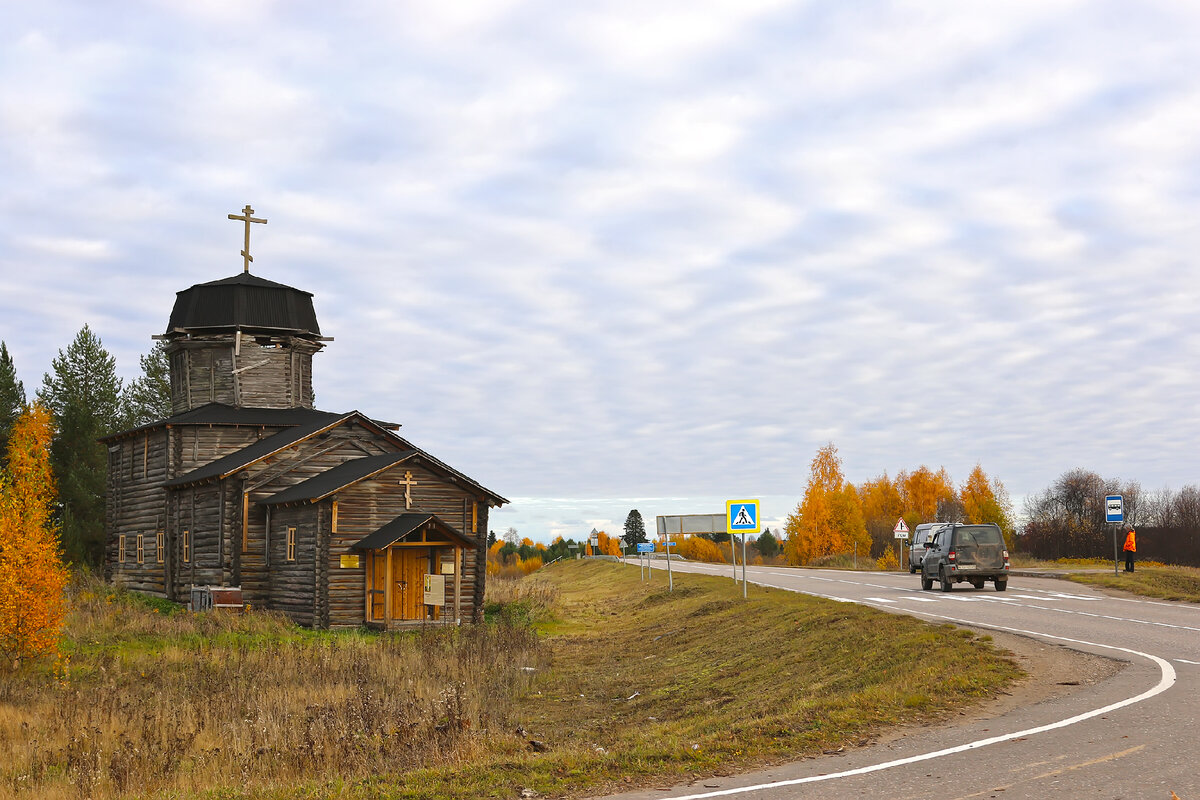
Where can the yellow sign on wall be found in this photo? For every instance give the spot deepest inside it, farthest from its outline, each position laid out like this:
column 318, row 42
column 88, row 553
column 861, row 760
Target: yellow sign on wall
column 350, row 562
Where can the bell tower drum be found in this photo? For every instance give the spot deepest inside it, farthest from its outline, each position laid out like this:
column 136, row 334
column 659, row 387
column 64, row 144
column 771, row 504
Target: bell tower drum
column 243, row 341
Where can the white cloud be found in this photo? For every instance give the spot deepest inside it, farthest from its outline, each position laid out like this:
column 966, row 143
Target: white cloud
column 629, row 251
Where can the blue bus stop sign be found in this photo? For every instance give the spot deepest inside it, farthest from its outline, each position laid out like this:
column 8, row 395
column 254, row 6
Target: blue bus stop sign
column 1114, row 508
column 645, row 547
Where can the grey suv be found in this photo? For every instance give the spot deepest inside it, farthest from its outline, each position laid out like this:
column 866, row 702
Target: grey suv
column 916, row 548
column 972, row 553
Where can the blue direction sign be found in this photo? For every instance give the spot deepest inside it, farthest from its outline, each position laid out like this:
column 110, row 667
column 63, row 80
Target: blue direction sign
column 741, row 516
column 645, row 547
column 1114, row 508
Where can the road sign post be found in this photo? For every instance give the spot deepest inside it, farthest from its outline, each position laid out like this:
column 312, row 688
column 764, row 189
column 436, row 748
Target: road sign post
column 741, row 517
column 901, row 534
column 667, row 545
column 1114, row 514
column 643, row 548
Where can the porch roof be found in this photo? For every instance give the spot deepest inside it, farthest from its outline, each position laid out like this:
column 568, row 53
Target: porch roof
column 407, row 525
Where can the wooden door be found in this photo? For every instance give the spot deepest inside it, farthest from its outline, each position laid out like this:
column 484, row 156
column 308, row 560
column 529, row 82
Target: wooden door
column 409, row 567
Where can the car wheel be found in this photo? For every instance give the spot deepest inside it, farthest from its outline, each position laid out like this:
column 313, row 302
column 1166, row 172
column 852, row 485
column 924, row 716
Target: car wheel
column 1001, row 585
column 946, row 584
column 926, row 583
column 912, row 570
column 977, row 584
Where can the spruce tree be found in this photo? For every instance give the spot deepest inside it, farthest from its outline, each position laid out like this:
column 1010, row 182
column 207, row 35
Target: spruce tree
column 12, row 397
column 83, row 393
column 768, row 545
column 148, row 398
column 635, row 528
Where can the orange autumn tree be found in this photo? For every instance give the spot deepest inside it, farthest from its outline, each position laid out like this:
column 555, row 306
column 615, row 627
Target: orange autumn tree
column 829, row 519
column 881, row 506
column 607, row 545
column 33, row 578
column 924, row 493
column 697, row 548
column 985, row 500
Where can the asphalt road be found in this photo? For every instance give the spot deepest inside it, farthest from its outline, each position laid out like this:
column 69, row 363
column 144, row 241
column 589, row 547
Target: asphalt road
column 1135, row 734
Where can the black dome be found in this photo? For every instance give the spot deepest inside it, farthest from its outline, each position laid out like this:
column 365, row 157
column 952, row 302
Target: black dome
column 244, row 302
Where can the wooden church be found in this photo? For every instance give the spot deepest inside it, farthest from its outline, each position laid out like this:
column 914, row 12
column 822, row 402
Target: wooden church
column 331, row 518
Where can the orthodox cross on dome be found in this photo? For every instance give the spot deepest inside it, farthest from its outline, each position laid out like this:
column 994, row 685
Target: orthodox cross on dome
column 246, row 216
column 407, row 483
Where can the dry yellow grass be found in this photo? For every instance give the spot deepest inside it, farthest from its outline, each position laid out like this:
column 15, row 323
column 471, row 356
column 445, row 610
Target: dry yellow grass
column 185, row 702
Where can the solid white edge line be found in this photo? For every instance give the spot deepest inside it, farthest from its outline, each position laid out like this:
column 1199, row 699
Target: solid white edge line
column 1166, row 680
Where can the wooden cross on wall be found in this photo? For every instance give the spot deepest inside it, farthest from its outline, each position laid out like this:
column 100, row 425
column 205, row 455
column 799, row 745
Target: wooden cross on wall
column 247, row 217
column 407, row 483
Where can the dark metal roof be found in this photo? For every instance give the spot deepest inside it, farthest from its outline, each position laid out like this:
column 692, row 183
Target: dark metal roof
column 227, row 465
column 304, row 421
column 406, row 525
column 332, row 480
column 244, row 302
column 221, row 414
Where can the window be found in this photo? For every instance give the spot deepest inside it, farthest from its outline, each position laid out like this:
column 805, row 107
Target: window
column 121, row 549
column 158, row 546
column 291, row 544
column 187, row 547
column 141, row 549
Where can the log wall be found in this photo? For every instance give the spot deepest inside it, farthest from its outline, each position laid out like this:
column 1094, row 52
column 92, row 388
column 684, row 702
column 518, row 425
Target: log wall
column 288, row 468
column 217, row 533
column 135, row 506
column 245, row 371
column 292, row 581
column 371, row 504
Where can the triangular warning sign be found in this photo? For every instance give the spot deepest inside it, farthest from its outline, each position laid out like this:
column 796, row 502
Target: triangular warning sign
column 901, row 527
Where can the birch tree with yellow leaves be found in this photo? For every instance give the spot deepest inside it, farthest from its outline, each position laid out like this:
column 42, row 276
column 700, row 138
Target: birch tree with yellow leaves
column 986, row 500
column 829, row 519
column 33, row 579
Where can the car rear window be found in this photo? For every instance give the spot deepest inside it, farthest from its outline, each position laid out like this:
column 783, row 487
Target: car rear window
column 979, row 534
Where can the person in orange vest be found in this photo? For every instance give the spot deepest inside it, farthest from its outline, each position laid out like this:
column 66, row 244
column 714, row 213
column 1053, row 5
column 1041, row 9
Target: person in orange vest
column 1130, row 549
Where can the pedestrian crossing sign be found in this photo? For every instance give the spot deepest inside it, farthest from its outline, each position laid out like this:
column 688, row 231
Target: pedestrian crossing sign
column 741, row 516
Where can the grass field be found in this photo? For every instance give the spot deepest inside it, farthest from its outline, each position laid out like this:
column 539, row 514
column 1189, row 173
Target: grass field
column 1150, row 578
column 618, row 682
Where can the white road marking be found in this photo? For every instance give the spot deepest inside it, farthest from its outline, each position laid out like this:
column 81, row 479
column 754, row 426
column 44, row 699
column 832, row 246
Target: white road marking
column 880, row 599
column 1185, row 661
column 1166, row 680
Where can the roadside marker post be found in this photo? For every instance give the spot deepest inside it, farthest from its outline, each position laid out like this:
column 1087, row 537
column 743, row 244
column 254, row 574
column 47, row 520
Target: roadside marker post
column 667, row 545
column 901, row 534
column 643, row 549
column 741, row 517
column 1114, row 514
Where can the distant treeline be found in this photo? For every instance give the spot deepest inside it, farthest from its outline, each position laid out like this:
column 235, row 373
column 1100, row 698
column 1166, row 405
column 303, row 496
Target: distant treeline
column 1067, row 520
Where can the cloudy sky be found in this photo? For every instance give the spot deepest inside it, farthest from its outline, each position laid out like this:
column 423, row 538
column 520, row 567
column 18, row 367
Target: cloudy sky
column 652, row 254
